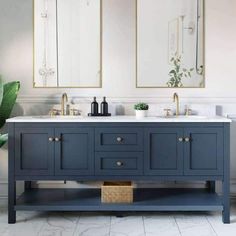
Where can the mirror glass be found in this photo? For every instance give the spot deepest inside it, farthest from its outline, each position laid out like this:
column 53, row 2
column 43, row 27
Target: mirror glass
column 170, row 43
column 67, row 43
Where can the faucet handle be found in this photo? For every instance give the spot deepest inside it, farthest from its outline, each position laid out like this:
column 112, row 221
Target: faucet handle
column 188, row 111
column 53, row 112
column 74, row 112
column 167, row 112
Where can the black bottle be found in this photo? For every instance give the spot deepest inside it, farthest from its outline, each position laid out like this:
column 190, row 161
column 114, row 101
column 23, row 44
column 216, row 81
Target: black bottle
column 104, row 107
column 94, row 107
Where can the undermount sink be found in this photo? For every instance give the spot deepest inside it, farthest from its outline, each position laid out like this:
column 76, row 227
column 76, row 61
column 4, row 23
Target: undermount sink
column 58, row 117
column 185, row 117
column 192, row 117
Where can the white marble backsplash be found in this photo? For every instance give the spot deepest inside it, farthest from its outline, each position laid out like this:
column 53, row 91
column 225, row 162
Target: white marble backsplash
column 116, row 108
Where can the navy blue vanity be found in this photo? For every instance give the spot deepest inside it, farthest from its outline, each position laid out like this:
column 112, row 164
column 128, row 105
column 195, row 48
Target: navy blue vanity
column 91, row 150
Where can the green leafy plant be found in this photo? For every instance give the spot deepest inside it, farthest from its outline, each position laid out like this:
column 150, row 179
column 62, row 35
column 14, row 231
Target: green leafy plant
column 178, row 73
column 141, row 106
column 8, row 95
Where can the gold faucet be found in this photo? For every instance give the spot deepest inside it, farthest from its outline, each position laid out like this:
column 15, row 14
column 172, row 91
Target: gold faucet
column 176, row 99
column 64, row 100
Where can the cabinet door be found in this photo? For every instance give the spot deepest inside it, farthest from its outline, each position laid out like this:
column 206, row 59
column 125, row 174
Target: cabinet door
column 74, row 152
column 34, row 153
column 203, row 153
column 163, row 151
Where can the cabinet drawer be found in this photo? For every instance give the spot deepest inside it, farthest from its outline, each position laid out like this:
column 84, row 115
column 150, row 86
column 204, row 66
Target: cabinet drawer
column 119, row 163
column 119, row 139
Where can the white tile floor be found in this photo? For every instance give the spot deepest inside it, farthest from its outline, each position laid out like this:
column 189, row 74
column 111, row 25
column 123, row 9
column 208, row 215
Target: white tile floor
column 140, row 224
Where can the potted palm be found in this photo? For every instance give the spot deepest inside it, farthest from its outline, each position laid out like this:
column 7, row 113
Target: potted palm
column 8, row 95
column 141, row 110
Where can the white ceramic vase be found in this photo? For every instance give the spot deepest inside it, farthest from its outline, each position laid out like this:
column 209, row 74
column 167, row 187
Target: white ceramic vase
column 141, row 114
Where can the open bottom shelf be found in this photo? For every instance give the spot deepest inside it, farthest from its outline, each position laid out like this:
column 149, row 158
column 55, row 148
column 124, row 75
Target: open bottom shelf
column 144, row 200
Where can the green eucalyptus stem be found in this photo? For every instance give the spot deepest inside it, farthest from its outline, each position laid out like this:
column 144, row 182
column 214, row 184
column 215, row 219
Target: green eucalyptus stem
column 177, row 73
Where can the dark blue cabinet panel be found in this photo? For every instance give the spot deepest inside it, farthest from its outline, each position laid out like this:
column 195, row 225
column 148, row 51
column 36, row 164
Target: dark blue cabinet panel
column 74, row 151
column 119, row 163
column 119, row 139
column 34, row 153
column 100, row 151
column 163, row 151
column 203, row 153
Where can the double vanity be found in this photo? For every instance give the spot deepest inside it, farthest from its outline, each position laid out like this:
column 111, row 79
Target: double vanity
column 115, row 149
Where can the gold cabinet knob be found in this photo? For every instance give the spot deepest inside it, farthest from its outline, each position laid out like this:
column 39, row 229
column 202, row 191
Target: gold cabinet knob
column 50, row 139
column 57, row 139
column 187, row 139
column 119, row 163
column 119, row 139
column 181, row 139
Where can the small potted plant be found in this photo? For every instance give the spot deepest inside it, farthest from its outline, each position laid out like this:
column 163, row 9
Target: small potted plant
column 141, row 110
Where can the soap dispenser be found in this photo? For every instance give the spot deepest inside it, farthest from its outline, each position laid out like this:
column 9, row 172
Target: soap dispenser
column 104, row 107
column 94, row 107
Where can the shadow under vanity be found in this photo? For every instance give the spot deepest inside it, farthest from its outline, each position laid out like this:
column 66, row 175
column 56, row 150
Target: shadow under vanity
column 90, row 148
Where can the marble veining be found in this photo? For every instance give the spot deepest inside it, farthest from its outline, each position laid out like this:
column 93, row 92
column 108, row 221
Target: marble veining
column 106, row 224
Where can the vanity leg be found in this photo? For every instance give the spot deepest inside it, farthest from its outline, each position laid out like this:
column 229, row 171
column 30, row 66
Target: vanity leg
column 226, row 180
column 11, row 176
column 28, row 185
column 211, row 185
column 11, row 202
column 226, row 202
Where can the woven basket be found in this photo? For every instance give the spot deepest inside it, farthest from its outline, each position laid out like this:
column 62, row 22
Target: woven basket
column 117, row 192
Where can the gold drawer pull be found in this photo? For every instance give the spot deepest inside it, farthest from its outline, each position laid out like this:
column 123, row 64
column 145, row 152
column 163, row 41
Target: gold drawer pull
column 119, row 139
column 119, row 163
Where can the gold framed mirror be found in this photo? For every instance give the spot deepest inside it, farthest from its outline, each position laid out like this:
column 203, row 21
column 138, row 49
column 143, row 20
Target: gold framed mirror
column 67, row 43
column 170, row 44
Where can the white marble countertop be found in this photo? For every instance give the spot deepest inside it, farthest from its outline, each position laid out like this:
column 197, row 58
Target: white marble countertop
column 117, row 119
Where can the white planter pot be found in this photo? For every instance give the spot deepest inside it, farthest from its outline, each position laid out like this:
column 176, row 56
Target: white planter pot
column 140, row 114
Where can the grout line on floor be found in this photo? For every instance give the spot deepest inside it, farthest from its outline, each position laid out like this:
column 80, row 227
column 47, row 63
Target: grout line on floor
column 110, row 226
column 144, row 228
column 177, row 226
column 211, row 226
column 77, row 224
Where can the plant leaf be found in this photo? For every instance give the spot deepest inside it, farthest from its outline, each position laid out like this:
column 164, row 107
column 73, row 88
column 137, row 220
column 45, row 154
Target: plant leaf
column 10, row 92
column 3, row 139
